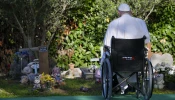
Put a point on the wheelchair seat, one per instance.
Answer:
(127, 55)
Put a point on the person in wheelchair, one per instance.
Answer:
(125, 27)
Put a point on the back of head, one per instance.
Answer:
(124, 7)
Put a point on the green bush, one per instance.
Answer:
(162, 27)
(89, 26)
(88, 35)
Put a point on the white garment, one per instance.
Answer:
(126, 27)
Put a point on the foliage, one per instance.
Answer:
(22, 15)
(86, 28)
(34, 18)
(87, 34)
(140, 8)
(169, 77)
(81, 24)
(46, 78)
(7, 40)
(162, 28)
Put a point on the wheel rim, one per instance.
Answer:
(148, 80)
(106, 81)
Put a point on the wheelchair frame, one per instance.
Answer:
(144, 73)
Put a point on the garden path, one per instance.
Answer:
(117, 97)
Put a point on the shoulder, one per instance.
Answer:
(140, 20)
(114, 22)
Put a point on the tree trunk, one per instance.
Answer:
(32, 54)
(43, 40)
(29, 41)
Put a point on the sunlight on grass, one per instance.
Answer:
(163, 91)
(4, 93)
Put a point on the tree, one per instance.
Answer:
(36, 21)
(141, 8)
(34, 18)
(89, 26)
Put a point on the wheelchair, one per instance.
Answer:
(127, 55)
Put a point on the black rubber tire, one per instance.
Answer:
(148, 80)
(106, 79)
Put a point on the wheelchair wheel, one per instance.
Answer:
(148, 80)
(138, 85)
(106, 80)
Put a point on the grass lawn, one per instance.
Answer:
(13, 88)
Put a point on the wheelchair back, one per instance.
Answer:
(127, 55)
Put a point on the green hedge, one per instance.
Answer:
(91, 24)
(162, 28)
